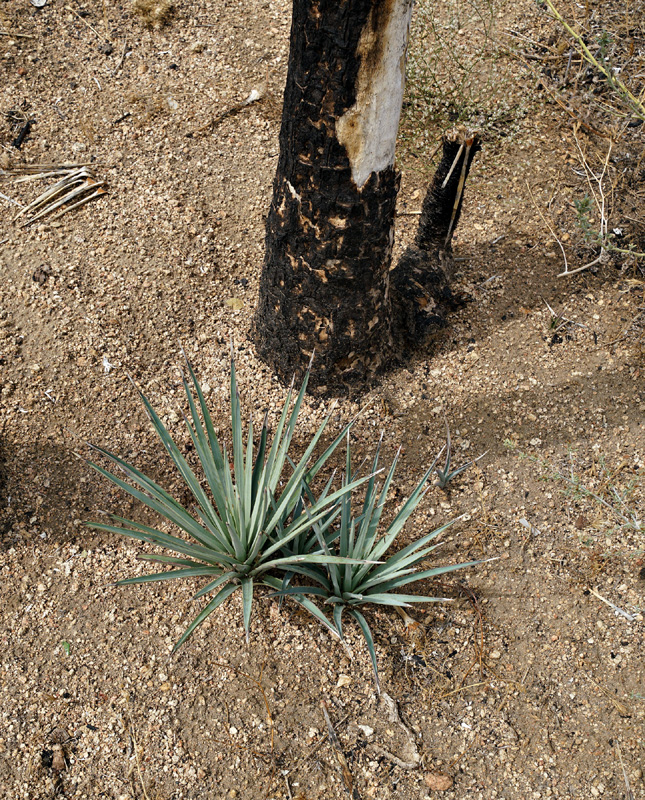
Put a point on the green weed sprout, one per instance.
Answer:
(246, 514)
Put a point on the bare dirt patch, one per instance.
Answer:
(530, 684)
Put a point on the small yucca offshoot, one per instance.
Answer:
(366, 577)
(445, 475)
(245, 514)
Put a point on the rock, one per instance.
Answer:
(438, 781)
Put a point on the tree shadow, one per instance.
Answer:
(497, 284)
(48, 493)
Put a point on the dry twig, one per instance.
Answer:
(381, 751)
(100, 35)
(550, 227)
(338, 750)
(617, 611)
(136, 749)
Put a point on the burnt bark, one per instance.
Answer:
(324, 283)
(421, 293)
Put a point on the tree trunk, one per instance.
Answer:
(325, 284)
(421, 290)
(330, 228)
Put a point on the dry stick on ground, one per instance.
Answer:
(100, 35)
(322, 741)
(136, 749)
(599, 200)
(468, 143)
(338, 750)
(105, 22)
(122, 59)
(254, 96)
(532, 530)
(381, 751)
(11, 200)
(550, 227)
(616, 609)
(561, 321)
(517, 35)
(17, 35)
(601, 204)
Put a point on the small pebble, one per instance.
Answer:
(438, 781)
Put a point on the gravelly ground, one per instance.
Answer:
(528, 685)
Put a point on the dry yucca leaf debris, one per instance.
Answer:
(76, 185)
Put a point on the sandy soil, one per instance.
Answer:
(531, 683)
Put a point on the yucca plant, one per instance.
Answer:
(245, 514)
(367, 576)
(446, 474)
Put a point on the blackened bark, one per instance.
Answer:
(421, 294)
(324, 283)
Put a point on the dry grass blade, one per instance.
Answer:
(629, 795)
(622, 709)
(10, 200)
(100, 35)
(72, 194)
(45, 175)
(99, 191)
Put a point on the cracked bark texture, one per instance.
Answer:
(324, 283)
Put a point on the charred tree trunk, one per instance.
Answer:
(325, 282)
(421, 290)
(330, 228)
